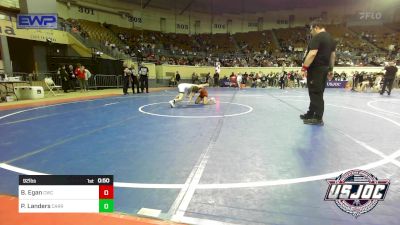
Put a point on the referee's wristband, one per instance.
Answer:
(304, 68)
(330, 69)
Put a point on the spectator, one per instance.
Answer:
(80, 74)
(172, 81)
(177, 77)
(64, 78)
(193, 77)
(88, 75)
(216, 79)
(72, 77)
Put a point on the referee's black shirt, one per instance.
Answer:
(325, 45)
(391, 72)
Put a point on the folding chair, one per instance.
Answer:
(364, 86)
(51, 85)
(378, 84)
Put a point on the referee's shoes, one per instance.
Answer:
(312, 119)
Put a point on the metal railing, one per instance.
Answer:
(95, 81)
(107, 81)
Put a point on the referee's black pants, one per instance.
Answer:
(316, 81)
(135, 82)
(387, 82)
(216, 82)
(125, 84)
(144, 83)
(282, 84)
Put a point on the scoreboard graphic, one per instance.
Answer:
(66, 194)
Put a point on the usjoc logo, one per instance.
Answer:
(37, 21)
(356, 192)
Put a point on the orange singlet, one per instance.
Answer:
(203, 93)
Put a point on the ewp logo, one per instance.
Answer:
(37, 21)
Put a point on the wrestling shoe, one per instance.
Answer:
(172, 103)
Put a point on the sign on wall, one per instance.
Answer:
(219, 26)
(252, 24)
(365, 18)
(7, 28)
(182, 26)
(369, 15)
(134, 19)
(312, 18)
(37, 21)
(282, 22)
(86, 10)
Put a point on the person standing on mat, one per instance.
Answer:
(282, 80)
(390, 75)
(317, 66)
(125, 80)
(239, 80)
(216, 74)
(134, 79)
(144, 77)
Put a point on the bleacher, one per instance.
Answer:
(348, 40)
(256, 41)
(356, 44)
(99, 32)
(293, 37)
(178, 42)
(381, 36)
(216, 43)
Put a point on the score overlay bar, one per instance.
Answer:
(66, 193)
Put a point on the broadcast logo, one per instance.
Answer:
(356, 192)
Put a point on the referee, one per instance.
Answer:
(317, 66)
(390, 75)
(144, 77)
